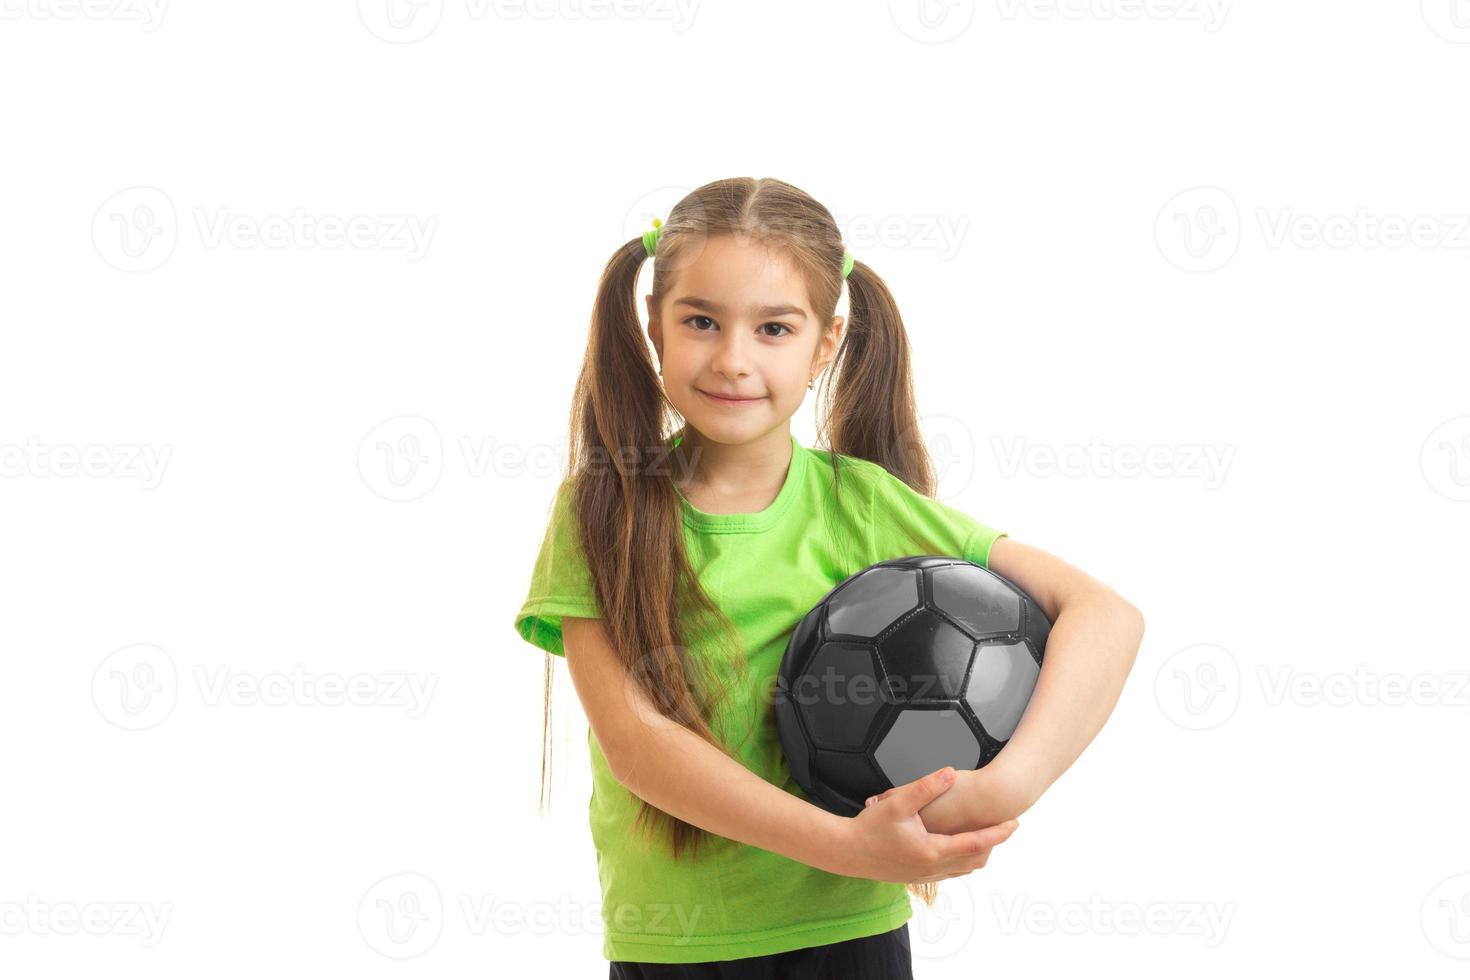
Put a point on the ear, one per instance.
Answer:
(831, 340)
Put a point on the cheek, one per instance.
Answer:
(678, 358)
(798, 369)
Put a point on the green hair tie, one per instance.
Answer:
(846, 264)
(650, 238)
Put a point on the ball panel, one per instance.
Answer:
(925, 658)
(1038, 629)
(845, 779)
(1000, 686)
(976, 598)
(922, 740)
(870, 602)
(794, 742)
(839, 695)
(803, 643)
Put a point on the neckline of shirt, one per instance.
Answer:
(757, 520)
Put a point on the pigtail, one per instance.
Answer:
(871, 410)
(631, 530)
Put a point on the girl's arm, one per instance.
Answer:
(1094, 639)
(685, 776)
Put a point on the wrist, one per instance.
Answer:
(831, 841)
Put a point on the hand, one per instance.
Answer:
(980, 798)
(889, 842)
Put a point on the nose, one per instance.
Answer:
(732, 358)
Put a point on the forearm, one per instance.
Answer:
(689, 778)
(1089, 653)
(1088, 656)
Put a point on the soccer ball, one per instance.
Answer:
(907, 666)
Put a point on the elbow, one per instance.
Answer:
(633, 754)
(1122, 617)
(1115, 610)
(1137, 618)
(617, 757)
(1133, 618)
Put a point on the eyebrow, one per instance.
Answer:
(704, 304)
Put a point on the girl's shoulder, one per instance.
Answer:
(863, 470)
(850, 478)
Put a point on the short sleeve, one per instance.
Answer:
(561, 582)
(902, 521)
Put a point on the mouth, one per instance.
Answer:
(723, 400)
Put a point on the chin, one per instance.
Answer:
(724, 431)
(731, 432)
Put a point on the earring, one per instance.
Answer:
(811, 385)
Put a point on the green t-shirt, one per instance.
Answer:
(765, 570)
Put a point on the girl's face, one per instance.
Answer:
(737, 322)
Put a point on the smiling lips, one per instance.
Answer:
(727, 400)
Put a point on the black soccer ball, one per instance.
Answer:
(907, 666)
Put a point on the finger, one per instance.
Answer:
(970, 865)
(975, 843)
(880, 797)
(967, 865)
(968, 868)
(916, 795)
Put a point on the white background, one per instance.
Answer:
(245, 461)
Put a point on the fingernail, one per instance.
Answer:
(946, 776)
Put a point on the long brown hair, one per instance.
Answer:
(654, 610)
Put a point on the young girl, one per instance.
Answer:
(691, 535)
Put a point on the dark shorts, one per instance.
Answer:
(885, 956)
